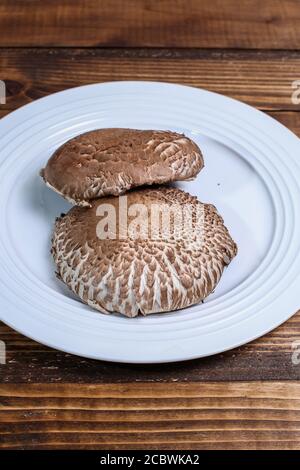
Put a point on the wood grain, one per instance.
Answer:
(151, 416)
(267, 358)
(261, 79)
(289, 119)
(271, 24)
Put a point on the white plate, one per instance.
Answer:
(251, 174)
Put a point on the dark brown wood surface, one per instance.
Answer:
(256, 24)
(257, 415)
(262, 79)
(248, 398)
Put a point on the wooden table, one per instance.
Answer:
(248, 398)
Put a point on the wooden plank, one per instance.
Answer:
(254, 24)
(261, 79)
(267, 358)
(4, 112)
(289, 119)
(190, 416)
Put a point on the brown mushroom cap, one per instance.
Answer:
(111, 161)
(142, 275)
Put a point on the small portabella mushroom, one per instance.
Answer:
(111, 161)
(158, 268)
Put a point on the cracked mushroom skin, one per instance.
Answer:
(111, 161)
(141, 275)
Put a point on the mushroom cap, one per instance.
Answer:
(146, 270)
(111, 161)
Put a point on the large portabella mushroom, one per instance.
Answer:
(152, 250)
(112, 161)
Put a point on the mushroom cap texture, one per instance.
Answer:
(111, 161)
(133, 275)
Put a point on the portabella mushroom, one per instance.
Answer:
(112, 161)
(158, 264)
